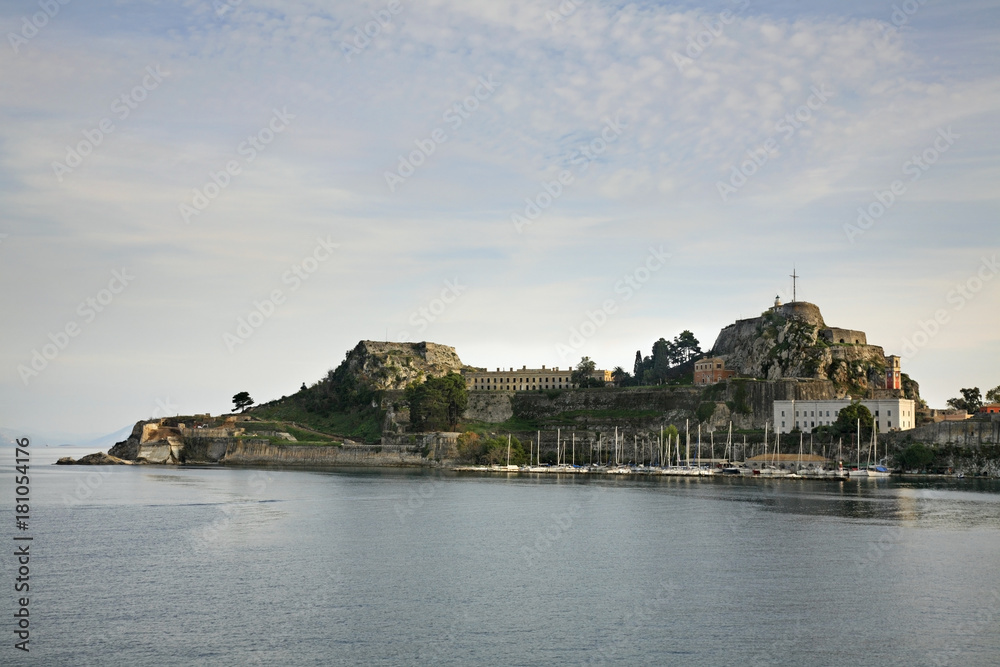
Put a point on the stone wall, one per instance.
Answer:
(970, 433)
(837, 336)
(250, 453)
(489, 406)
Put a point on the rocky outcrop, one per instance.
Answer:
(96, 459)
(388, 366)
(793, 341)
(128, 449)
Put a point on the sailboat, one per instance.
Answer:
(859, 471)
(876, 470)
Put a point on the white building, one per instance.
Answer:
(891, 414)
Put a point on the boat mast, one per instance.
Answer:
(508, 450)
(765, 442)
(687, 442)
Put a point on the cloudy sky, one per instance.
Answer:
(201, 197)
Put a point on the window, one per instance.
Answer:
(813, 414)
(827, 413)
(796, 413)
(782, 414)
(812, 424)
(889, 413)
(889, 423)
(782, 424)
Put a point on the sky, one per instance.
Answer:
(204, 197)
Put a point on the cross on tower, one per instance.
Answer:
(794, 277)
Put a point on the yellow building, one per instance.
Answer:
(526, 379)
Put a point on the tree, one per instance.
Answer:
(621, 377)
(582, 376)
(847, 421)
(687, 345)
(663, 354)
(993, 395)
(971, 400)
(915, 457)
(242, 401)
(438, 403)
(637, 367)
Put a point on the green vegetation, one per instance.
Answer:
(242, 401)
(667, 356)
(475, 448)
(917, 456)
(847, 423)
(971, 399)
(438, 403)
(740, 398)
(705, 411)
(363, 424)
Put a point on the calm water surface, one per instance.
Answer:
(208, 566)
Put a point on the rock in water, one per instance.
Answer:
(95, 459)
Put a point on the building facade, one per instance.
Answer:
(527, 379)
(891, 414)
(710, 371)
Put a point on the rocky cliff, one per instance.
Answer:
(387, 366)
(793, 341)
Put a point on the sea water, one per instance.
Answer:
(153, 565)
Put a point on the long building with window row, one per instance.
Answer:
(526, 379)
(891, 414)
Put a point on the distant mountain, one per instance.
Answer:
(57, 439)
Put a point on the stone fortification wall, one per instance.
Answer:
(261, 453)
(489, 406)
(804, 312)
(970, 433)
(836, 336)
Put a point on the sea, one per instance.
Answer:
(154, 565)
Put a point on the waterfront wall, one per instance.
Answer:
(256, 453)
(970, 433)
